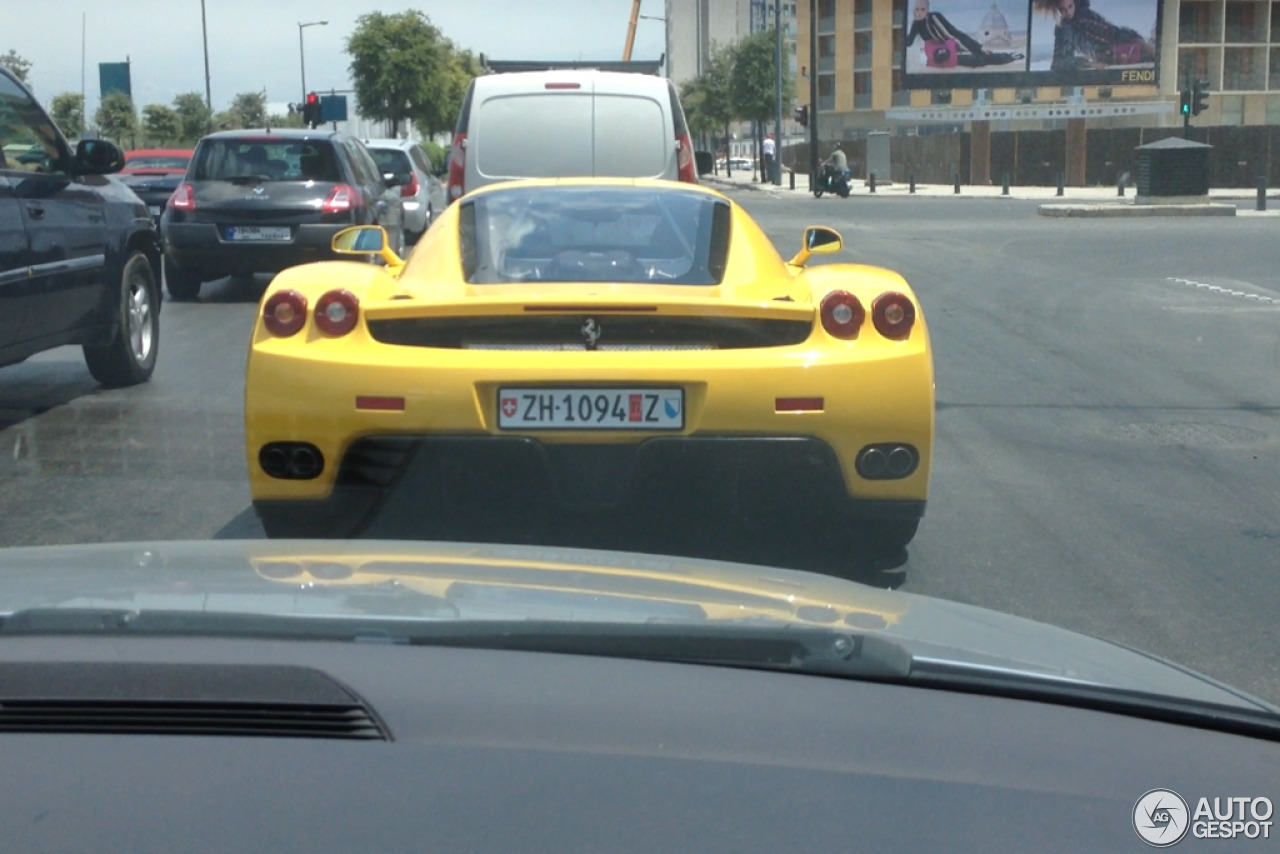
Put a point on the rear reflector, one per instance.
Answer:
(799, 404)
(382, 404)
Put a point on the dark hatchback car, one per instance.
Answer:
(79, 257)
(260, 201)
(154, 173)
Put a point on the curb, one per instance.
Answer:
(1119, 210)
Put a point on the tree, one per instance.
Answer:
(440, 113)
(752, 87)
(226, 120)
(290, 120)
(194, 116)
(19, 65)
(396, 63)
(67, 112)
(160, 124)
(116, 118)
(250, 109)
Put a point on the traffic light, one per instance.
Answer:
(1184, 106)
(1199, 96)
(802, 115)
(311, 110)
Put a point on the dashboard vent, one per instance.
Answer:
(245, 701)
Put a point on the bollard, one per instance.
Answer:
(1004, 191)
(792, 172)
(956, 180)
(1262, 192)
(873, 182)
(912, 178)
(1120, 186)
(1061, 188)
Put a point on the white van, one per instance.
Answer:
(562, 124)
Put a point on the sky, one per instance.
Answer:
(253, 44)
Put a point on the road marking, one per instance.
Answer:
(1217, 289)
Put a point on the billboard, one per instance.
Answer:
(1025, 43)
(114, 77)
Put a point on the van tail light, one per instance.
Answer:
(341, 198)
(337, 312)
(457, 166)
(410, 190)
(842, 314)
(684, 158)
(285, 313)
(893, 315)
(183, 198)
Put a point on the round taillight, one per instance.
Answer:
(285, 313)
(337, 312)
(842, 314)
(894, 315)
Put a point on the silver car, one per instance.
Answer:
(422, 193)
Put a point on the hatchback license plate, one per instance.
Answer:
(590, 409)
(155, 210)
(258, 232)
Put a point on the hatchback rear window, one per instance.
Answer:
(266, 159)
(391, 160)
(594, 234)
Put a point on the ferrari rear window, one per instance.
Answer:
(266, 159)
(594, 234)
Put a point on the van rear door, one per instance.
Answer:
(523, 134)
(633, 136)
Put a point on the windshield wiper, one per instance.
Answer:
(771, 647)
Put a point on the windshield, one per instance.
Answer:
(272, 159)
(156, 161)
(585, 234)
(975, 303)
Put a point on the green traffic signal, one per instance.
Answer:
(1185, 105)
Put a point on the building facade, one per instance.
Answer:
(1234, 44)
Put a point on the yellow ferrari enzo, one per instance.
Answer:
(561, 346)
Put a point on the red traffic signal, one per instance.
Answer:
(311, 110)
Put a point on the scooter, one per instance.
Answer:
(831, 180)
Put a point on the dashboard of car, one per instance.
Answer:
(189, 744)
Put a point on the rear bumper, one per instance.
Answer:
(734, 437)
(425, 486)
(199, 249)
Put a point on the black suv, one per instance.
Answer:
(79, 256)
(261, 201)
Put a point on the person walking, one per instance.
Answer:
(770, 150)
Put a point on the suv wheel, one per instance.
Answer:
(181, 284)
(130, 358)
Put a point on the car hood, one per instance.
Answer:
(481, 582)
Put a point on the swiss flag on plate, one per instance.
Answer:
(509, 407)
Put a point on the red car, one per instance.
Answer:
(154, 173)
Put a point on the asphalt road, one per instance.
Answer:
(1108, 447)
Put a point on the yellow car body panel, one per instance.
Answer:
(304, 387)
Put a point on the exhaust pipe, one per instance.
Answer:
(887, 461)
(291, 460)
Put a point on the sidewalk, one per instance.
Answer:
(743, 181)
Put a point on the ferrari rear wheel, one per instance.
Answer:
(887, 536)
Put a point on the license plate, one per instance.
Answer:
(155, 210)
(258, 232)
(590, 409)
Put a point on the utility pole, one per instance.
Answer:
(208, 88)
(813, 93)
(776, 165)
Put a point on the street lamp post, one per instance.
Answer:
(302, 53)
